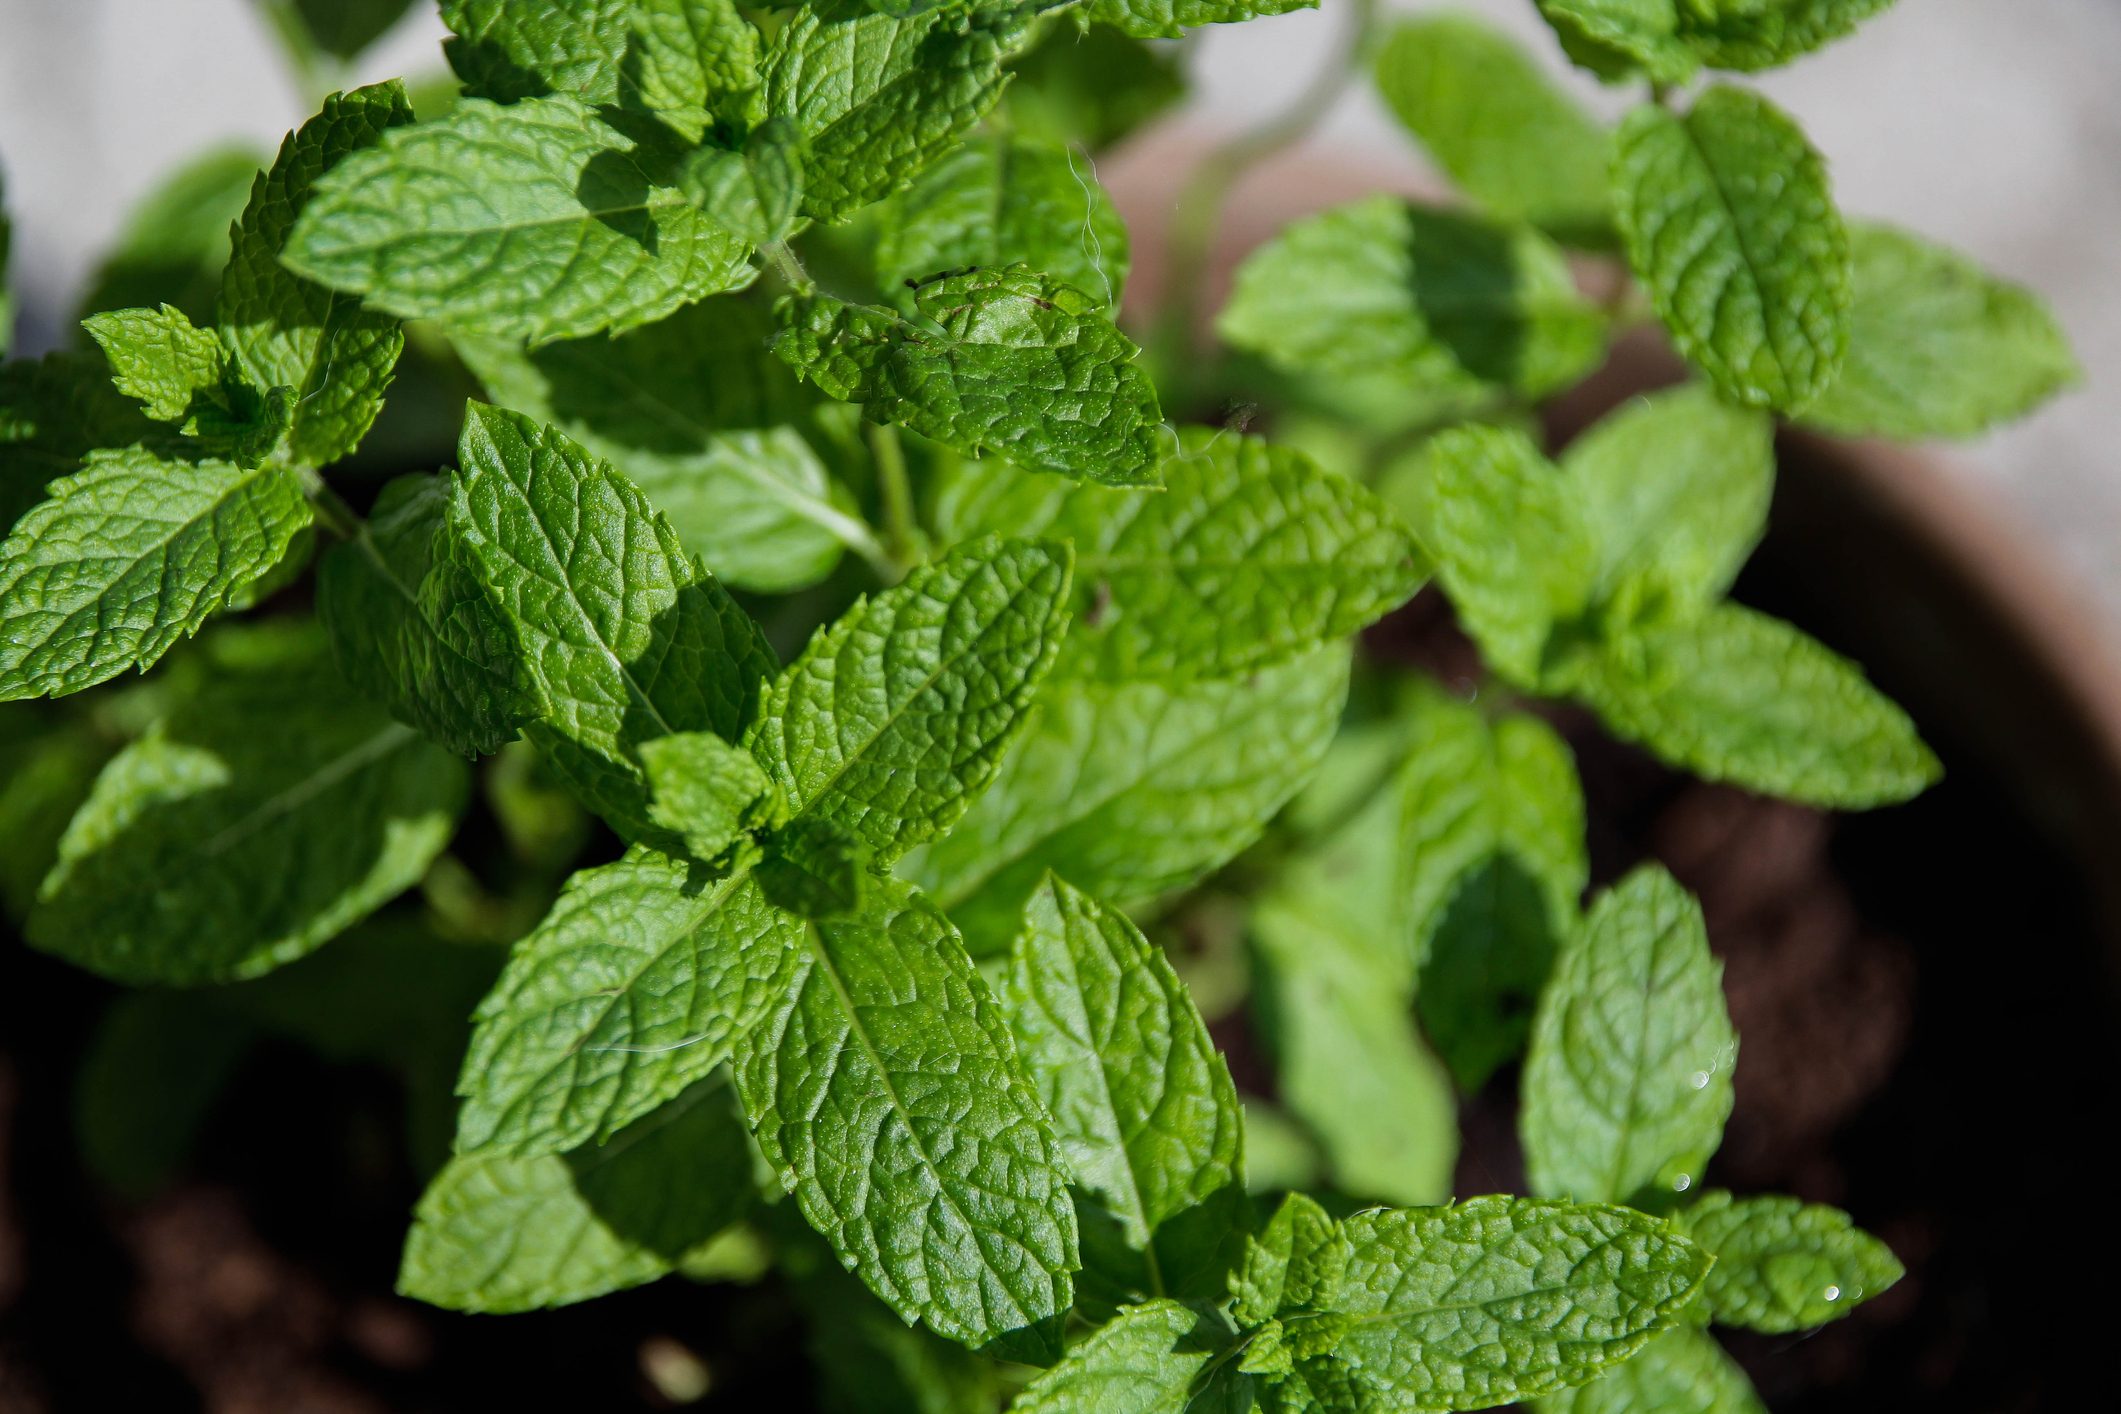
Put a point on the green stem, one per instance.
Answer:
(789, 268)
(314, 73)
(1199, 209)
(332, 512)
(901, 536)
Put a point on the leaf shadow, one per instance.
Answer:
(1485, 967)
(1470, 289)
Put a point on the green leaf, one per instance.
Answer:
(1628, 1081)
(1296, 1263)
(1089, 86)
(1129, 790)
(623, 634)
(129, 556)
(687, 410)
(1731, 226)
(1489, 115)
(1680, 1372)
(539, 220)
(1937, 346)
(1007, 360)
(1485, 1302)
(496, 1233)
(1493, 836)
(889, 1098)
(48, 762)
(1250, 555)
(1443, 302)
(1783, 1265)
(1006, 200)
(814, 871)
(266, 814)
(1510, 542)
(1149, 1359)
(159, 359)
(637, 984)
(54, 411)
(154, 1067)
(1737, 696)
(1146, 1110)
(414, 628)
(343, 28)
(687, 57)
(877, 98)
(1616, 39)
(1167, 19)
(864, 1358)
(705, 791)
(1762, 34)
(175, 241)
(897, 715)
(510, 49)
(1675, 488)
(1339, 1022)
(287, 332)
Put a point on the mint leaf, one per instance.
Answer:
(637, 984)
(266, 814)
(877, 98)
(1146, 1110)
(414, 628)
(889, 1098)
(286, 332)
(1493, 828)
(510, 49)
(715, 435)
(1617, 38)
(495, 1233)
(1133, 789)
(1675, 488)
(1295, 1263)
(129, 556)
(1089, 87)
(1506, 136)
(1628, 1081)
(1488, 1301)
(54, 411)
(623, 635)
(1731, 226)
(1679, 1370)
(897, 715)
(688, 58)
(1006, 201)
(1007, 360)
(1149, 1359)
(1445, 302)
(539, 220)
(1167, 19)
(1334, 992)
(705, 791)
(1511, 544)
(175, 240)
(865, 1359)
(1783, 1265)
(1737, 696)
(1937, 346)
(1752, 36)
(1250, 555)
(343, 28)
(159, 359)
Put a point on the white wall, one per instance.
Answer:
(1994, 126)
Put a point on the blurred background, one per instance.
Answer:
(1993, 127)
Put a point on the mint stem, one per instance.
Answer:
(901, 537)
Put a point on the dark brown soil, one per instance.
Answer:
(1927, 1019)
